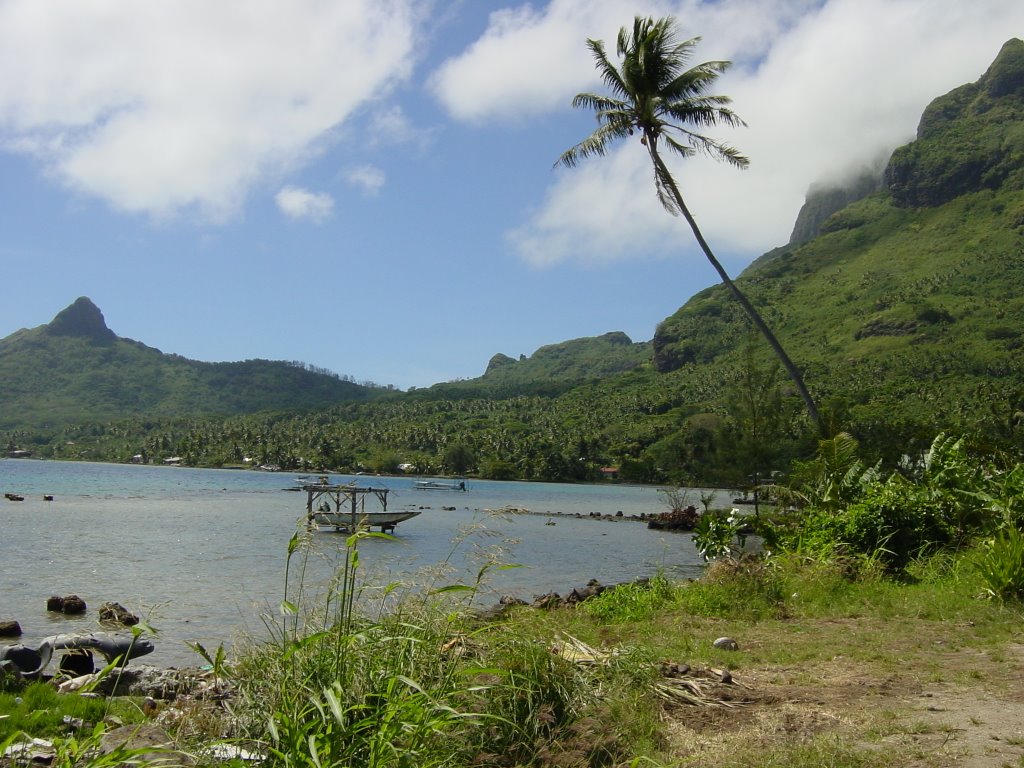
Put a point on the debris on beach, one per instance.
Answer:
(678, 684)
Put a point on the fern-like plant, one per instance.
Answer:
(1002, 565)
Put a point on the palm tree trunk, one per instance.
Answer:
(755, 317)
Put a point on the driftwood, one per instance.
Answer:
(678, 685)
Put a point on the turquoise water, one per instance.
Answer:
(201, 553)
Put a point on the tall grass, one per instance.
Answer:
(392, 676)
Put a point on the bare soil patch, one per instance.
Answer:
(960, 707)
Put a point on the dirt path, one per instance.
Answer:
(962, 708)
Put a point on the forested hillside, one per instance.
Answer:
(75, 369)
(904, 309)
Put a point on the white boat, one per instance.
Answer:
(347, 523)
(439, 485)
(343, 508)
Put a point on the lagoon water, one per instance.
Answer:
(201, 553)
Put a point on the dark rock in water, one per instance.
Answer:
(115, 613)
(73, 605)
(676, 520)
(578, 595)
(76, 663)
(505, 603)
(10, 629)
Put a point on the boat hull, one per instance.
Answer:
(344, 521)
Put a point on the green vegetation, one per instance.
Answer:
(552, 369)
(412, 675)
(37, 708)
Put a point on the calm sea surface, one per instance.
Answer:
(201, 552)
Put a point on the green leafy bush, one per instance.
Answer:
(1002, 565)
(895, 522)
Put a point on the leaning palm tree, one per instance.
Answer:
(654, 93)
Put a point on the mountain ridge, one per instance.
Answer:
(75, 369)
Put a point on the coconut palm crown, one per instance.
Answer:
(655, 93)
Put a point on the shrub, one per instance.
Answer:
(1005, 498)
(717, 533)
(895, 521)
(1002, 565)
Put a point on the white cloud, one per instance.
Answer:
(390, 125)
(531, 60)
(594, 213)
(368, 178)
(823, 86)
(524, 62)
(297, 203)
(172, 104)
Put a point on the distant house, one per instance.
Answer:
(406, 467)
(19, 454)
(610, 473)
(172, 460)
(137, 458)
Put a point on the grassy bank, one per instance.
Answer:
(837, 664)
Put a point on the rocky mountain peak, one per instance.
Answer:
(82, 318)
(967, 140)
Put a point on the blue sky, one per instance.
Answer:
(367, 186)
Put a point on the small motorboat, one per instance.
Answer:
(440, 485)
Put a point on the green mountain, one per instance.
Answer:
(75, 369)
(552, 369)
(908, 307)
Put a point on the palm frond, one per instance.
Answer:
(707, 146)
(595, 144)
(695, 80)
(664, 184)
(609, 73)
(598, 103)
(702, 112)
